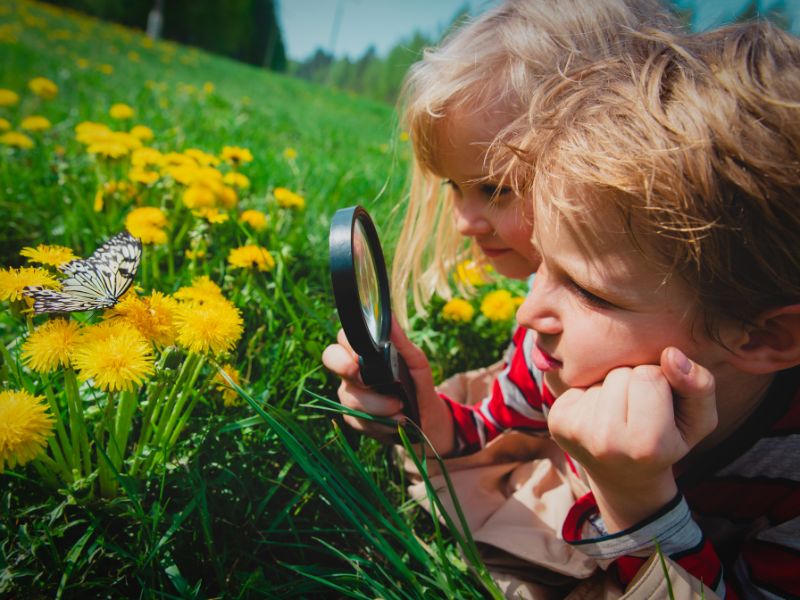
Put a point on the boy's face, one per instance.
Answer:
(599, 308)
(499, 224)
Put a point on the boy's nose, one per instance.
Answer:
(539, 310)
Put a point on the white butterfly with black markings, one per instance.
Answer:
(93, 283)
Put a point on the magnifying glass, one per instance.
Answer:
(361, 291)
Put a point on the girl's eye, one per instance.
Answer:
(491, 190)
(590, 298)
(453, 185)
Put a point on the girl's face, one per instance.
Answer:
(594, 311)
(494, 217)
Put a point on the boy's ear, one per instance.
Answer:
(772, 344)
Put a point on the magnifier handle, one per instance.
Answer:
(390, 376)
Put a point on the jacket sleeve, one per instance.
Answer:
(517, 400)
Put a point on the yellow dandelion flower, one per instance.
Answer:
(25, 425)
(208, 87)
(143, 176)
(236, 155)
(5, 124)
(99, 201)
(16, 140)
(194, 254)
(82, 63)
(8, 97)
(174, 159)
(404, 136)
(147, 223)
(227, 196)
(109, 149)
(146, 157)
(458, 309)
(471, 273)
(114, 356)
(48, 255)
(289, 153)
(201, 290)
(134, 56)
(199, 196)
(153, 316)
(202, 158)
(89, 132)
(14, 281)
(229, 396)
(50, 345)
(499, 305)
(120, 111)
(35, 123)
(142, 132)
(210, 327)
(236, 179)
(106, 69)
(43, 87)
(288, 199)
(255, 218)
(212, 215)
(251, 256)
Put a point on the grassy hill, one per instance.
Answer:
(135, 469)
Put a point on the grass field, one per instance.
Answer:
(137, 469)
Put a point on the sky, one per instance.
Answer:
(309, 24)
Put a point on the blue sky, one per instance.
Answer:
(309, 24)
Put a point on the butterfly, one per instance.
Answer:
(92, 283)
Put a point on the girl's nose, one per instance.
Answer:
(540, 311)
(471, 218)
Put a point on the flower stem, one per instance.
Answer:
(107, 484)
(63, 450)
(77, 424)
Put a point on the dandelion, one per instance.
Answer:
(227, 196)
(499, 305)
(16, 140)
(404, 137)
(146, 157)
(35, 123)
(153, 316)
(229, 395)
(288, 199)
(106, 69)
(208, 87)
(8, 97)
(251, 256)
(201, 290)
(89, 132)
(289, 153)
(5, 124)
(470, 273)
(142, 132)
(25, 425)
(212, 215)
(114, 356)
(236, 155)
(236, 179)
(43, 87)
(143, 176)
(458, 309)
(109, 149)
(14, 281)
(147, 223)
(202, 158)
(199, 196)
(48, 255)
(209, 327)
(120, 111)
(255, 218)
(82, 63)
(49, 347)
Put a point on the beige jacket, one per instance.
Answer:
(515, 494)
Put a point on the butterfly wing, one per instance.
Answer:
(95, 282)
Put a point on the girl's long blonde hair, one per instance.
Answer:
(498, 57)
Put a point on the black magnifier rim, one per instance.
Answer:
(345, 284)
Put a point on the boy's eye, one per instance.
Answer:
(589, 298)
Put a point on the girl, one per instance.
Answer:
(459, 99)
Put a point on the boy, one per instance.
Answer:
(665, 317)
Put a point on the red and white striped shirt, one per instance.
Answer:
(735, 524)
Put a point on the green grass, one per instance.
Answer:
(270, 498)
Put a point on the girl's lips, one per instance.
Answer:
(543, 361)
(493, 252)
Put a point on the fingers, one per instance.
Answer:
(695, 394)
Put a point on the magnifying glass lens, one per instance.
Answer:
(367, 282)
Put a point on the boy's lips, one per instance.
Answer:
(543, 361)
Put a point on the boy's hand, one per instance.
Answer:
(341, 359)
(630, 430)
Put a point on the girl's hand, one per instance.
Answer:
(341, 359)
(630, 430)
